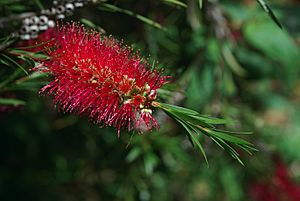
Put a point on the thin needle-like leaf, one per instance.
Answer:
(15, 102)
(196, 124)
(232, 62)
(268, 10)
(193, 138)
(28, 54)
(15, 63)
(200, 4)
(112, 8)
(176, 2)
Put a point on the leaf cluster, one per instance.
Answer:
(196, 124)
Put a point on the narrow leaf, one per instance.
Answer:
(193, 138)
(200, 4)
(133, 154)
(88, 22)
(210, 120)
(176, 2)
(144, 19)
(15, 63)
(268, 10)
(224, 136)
(229, 149)
(6, 101)
(196, 124)
(174, 108)
(234, 132)
(29, 54)
(232, 62)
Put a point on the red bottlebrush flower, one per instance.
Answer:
(98, 77)
(277, 188)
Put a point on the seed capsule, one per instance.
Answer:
(25, 37)
(34, 20)
(51, 23)
(33, 35)
(26, 21)
(78, 4)
(60, 16)
(60, 9)
(43, 20)
(69, 7)
(24, 29)
(34, 29)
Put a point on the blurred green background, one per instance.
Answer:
(228, 59)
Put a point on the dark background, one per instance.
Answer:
(250, 74)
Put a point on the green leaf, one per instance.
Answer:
(150, 162)
(15, 63)
(40, 5)
(112, 8)
(192, 138)
(234, 132)
(268, 10)
(210, 120)
(200, 4)
(196, 124)
(228, 148)
(133, 154)
(4, 62)
(7, 41)
(87, 22)
(174, 108)
(33, 55)
(176, 2)
(36, 75)
(280, 47)
(232, 62)
(8, 101)
(224, 136)
(191, 114)
(199, 79)
(36, 45)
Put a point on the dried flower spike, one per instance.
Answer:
(98, 77)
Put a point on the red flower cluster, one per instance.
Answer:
(100, 78)
(279, 188)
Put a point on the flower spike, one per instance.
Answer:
(98, 77)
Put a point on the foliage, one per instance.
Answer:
(228, 59)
